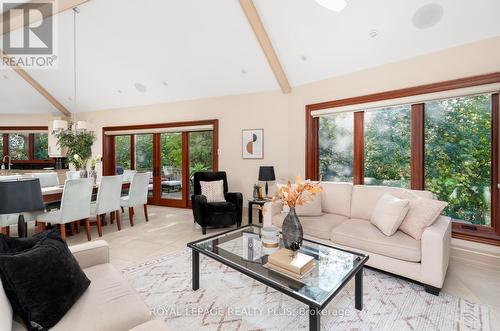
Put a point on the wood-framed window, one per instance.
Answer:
(449, 146)
(25, 144)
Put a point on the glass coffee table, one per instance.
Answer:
(242, 250)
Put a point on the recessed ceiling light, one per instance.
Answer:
(335, 5)
(70, 98)
(303, 58)
(119, 91)
(5, 76)
(373, 33)
(139, 87)
(428, 16)
(243, 71)
(164, 83)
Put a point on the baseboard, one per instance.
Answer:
(471, 252)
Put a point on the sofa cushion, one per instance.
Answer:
(336, 198)
(361, 234)
(389, 212)
(422, 214)
(316, 226)
(5, 310)
(109, 304)
(41, 278)
(364, 198)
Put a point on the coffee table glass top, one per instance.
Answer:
(243, 249)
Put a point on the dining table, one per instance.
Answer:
(53, 194)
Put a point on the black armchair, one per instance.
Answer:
(215, 214)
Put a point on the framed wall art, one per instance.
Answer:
(252, 143)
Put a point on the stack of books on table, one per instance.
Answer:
(286, 262)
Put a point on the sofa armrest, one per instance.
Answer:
(436, 241)
(91, 253)
(270, 210)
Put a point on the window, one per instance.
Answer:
(122, 152)
(171, 165)
(41, 145)
(458, 144)
(387, 147)
(144, 152)
(200, 153)
(449, 146)
(19, 146)
(336, 138)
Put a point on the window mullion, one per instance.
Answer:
(417, 146)
(359, 148)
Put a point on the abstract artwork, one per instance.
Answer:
(253, 144)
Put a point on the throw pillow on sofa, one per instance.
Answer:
(41, 278)
(389, 213)
(422, 214)
(214, 190)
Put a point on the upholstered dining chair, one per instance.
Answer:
(215, 214)
(72, 174)
(6, 220)
(47, 179)
(108, 200)
(128, 175)
(75, 206)
(137, 195)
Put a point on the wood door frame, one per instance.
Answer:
(482, 234)
(109, 163)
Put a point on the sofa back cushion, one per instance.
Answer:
(336, 198)
(5, 310)
(365, 198)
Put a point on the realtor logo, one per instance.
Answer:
(28, 33)
(36, 21)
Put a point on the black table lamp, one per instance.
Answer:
(19, 196)
(266, 174)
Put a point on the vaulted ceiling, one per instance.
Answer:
(133, 52)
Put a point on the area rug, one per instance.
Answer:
(229, 300)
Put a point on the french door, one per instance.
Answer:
(170, 154)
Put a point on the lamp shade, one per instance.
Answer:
(266, 173)
(59, 125)
(18, 196)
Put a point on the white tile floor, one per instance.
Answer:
(170, 229)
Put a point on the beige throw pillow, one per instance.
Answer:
(389, 213)
(422, 214)
(214, 190)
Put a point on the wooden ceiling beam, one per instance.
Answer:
(265, 43)
(37, 86)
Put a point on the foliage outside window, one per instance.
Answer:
(458, 156)
(19, 146)
(41, 143)
(336, 138)
(387, 146)
(122, 152)
(200, 151)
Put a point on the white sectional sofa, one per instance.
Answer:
(345, 223)
(108, 304)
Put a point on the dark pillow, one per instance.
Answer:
(41, 278)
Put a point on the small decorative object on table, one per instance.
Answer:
(295, 195)
(92, 172)
(256, 189)
(270, 239)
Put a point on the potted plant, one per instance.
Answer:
(294, 195)
(78, 144)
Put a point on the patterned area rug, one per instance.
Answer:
(228, 300)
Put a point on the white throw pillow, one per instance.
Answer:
(214, 190)
(5, 310)
(389, 213)
(422, 214)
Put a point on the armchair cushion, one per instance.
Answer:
(41, 278)
(220, 207)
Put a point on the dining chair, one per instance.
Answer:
(128, 175)
(75, 206)
(72, 174)
(6, 220)
(137, 195)
(47, 179)
(108, 201)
